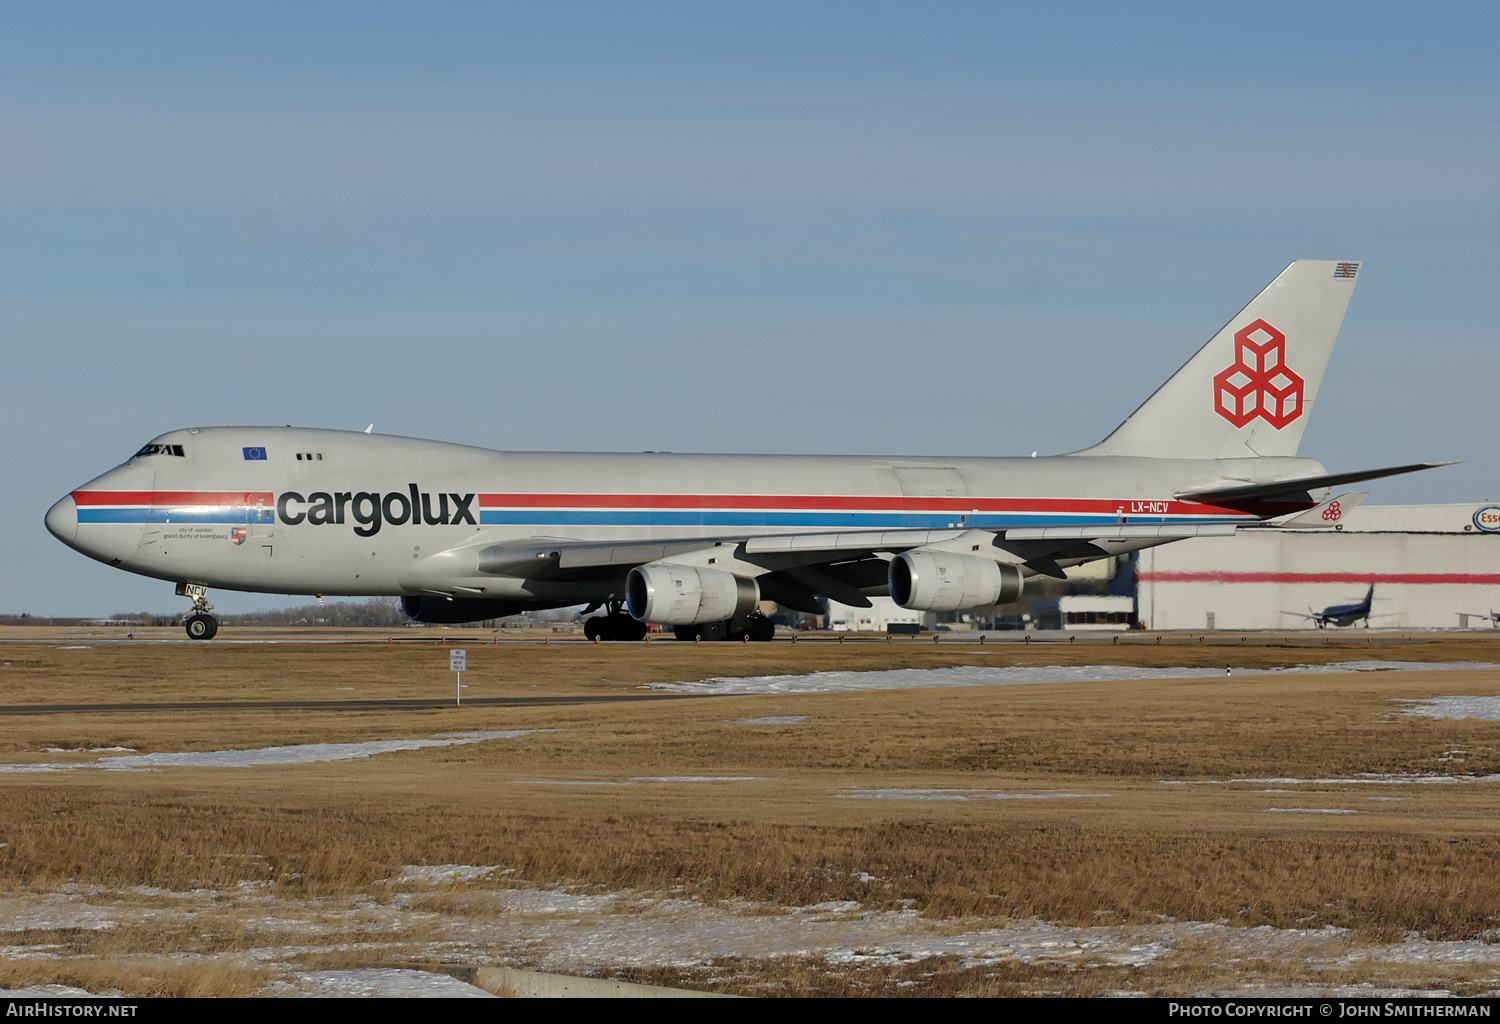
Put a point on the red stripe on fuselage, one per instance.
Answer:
(860, 503)
(174, 499)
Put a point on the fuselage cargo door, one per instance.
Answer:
(931, 481)
(260, 523)
(945, 493)
(155, 520)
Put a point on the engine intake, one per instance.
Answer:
(684, 595)
(931, 580)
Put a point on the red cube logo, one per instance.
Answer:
(1259, 383)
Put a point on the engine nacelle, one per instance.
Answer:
(684, 595)
(932, 580)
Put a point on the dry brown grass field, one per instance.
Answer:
(1131, 853)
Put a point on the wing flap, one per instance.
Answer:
(863, 540)
(1122, 531)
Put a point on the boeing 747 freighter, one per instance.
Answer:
(696, 542)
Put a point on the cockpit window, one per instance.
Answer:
(159, 449)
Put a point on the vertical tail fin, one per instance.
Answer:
(1249, 391)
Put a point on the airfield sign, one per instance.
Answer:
(457, 660)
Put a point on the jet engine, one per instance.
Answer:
(683, 595)
(931, 580)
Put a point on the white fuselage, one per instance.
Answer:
(304, 511)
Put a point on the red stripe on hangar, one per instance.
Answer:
(1416, 578)
(174, 499)
(861, 503)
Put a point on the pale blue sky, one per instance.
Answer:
(905, 228)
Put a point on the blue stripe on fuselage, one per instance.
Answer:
(160, 515)
(810, 520)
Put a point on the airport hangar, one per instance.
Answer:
(1432, 567)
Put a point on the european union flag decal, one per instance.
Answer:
(255, 454)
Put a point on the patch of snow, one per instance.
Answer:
(566, 782)
(952, 794)
(301, 753)
(769, 720)
(1373, 779)
(386, 983)
(48, 992)
(442, 874)
(568, 932)
(1310, 810)
(1483, 708)
(53, 911)
(1332, 992)
(987, 675)
(699, 778)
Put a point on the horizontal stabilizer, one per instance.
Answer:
(1276, 488)
(1330, 513)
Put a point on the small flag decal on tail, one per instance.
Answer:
(1345, 269)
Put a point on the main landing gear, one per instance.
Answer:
(619, 626)
(614, 626)
(200, 625)
(756, 628)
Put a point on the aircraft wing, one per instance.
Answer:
(804, 548)
(795, 568)
(797, 549)
(791, 569)
(815, 547)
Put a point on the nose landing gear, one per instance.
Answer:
(200, 625)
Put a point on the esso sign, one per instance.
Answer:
(1488, 518)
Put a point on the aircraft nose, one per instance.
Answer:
(62, 520)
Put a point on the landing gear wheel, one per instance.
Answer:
(762, 629)
(201, 627)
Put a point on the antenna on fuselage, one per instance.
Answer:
(369, 428)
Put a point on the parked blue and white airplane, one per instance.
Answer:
(1343, 614)
(697, 541)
